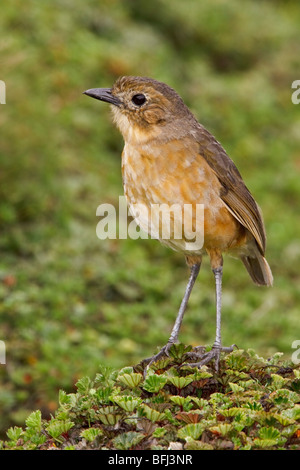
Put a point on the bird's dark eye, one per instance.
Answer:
(139, 99)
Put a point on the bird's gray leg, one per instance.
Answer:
(217, 346)
(175, 331)
(218, 273)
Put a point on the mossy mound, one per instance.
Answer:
(252, 403)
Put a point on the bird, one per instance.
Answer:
(169, 158)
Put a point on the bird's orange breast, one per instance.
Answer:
(173, 172)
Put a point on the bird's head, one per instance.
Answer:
(144, 108)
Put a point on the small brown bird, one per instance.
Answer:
(169, 158)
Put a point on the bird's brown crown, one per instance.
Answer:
(147, 106)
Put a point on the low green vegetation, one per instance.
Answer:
(252, 404)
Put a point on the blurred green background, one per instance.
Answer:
(68, 301)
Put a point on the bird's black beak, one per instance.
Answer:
(103, 94)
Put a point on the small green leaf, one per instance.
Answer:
(169, 416)
(83, 385)
(34, 420)
(159, 432)
(193, 431)
(222, 429)
(180, 401)
(14, 433)
(288, 431)
(292, 413)
(177, 351)
(126, 370)
(269, 433)
(237, 360)
(219, 399)
(236, 388)
(192, 444)
(295, 386)
(277, 382)
(109, 415)
(154, 383)
(106, 377)
(151, 414)
(161, 363)
(63, 398)
(284, 397)
(254, 406)
(264, 443)
(127, 440)
(230, 412)
(57, 427)
(181, 382)
(200, 402)
(127, 403)
(131, 380)
(103, 394)
(284, 420)
(91, 433)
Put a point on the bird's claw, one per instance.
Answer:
(151, 360)
(214, 353)
(197, 353)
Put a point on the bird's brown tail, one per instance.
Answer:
(259, 270)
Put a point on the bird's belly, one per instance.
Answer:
(177, 203)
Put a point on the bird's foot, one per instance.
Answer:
(163, 352)
(214, 353)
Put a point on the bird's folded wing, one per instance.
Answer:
(234, 193)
